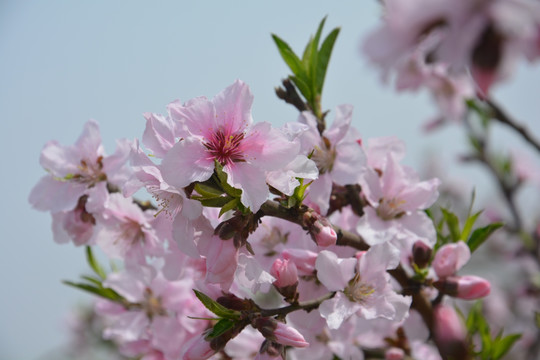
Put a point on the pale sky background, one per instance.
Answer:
(64, 62)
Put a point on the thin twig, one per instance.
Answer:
(503, 117)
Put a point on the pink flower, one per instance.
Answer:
(450, 258)
(336, 152)
(303, 259)
(221, 130)
(363, 286)
(75, 169)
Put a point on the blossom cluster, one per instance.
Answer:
(306, 241)
(211, 170)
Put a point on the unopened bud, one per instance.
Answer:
(285, 273)
(421, 254)
(325, 236)
(287, 335)
(472, 287)
(394, 353)
(450, 334)
(450, 258)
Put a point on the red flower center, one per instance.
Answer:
(225, 148)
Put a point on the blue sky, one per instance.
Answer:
(64, 62)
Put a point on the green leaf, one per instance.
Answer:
(324, 57)
(537, 319)
(482, 234)
(314, 59)
(233, 204)
(94, 264)
(468, 226)
(221, 327)
(289, 57)
(222, 177)
(215, 307)
(93, 280)
(452, 222)
(501, 347)
(304, 88)
(215, 202)
(207, 191)
(99, 291)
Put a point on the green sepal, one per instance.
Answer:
(482, 234)
(221, 327)
(94, 264)
(215, 307)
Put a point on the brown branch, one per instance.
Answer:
(503, 117)
(305, 305)
(290, 95)
(296, 215)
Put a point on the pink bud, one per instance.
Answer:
(450, 333)
(287, 335)
(285, 273)
(394, 353)
(303, 259)
(326, 235)
(472, 287)
(450, 258)
(198, 349)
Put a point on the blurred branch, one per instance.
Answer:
(503, 117)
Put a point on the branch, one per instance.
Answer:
(305, 305)
(500, 115)
(295, 215)
(290, 95)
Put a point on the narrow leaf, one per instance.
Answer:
(215, 307)
(468, 225)
(215, 202)
(452, 222)
(207, 191)
(221, 327)
(304, 88)
(482, 234)
(289, 56)
(501, 347)
(99, 291)
(324, 57)
(94, 263)
(233, 204)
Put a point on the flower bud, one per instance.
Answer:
(450, 258)
(276, 331)
(326, 235)
(198, 349)
(285, 273)
(472, 287)
(450, 334)
(394, 353)
(287, 335)
(303, 259)
(421, 254)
